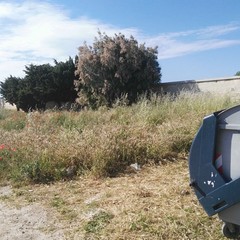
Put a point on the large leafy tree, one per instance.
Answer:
(52, 83)
(115, 66)
(41, 84)
(10, 90)
(39, 81)
(64, 75)
(16, 91)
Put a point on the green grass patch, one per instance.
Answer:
(98, 222)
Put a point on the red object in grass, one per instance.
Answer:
(2, 146)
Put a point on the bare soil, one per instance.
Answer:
(31, 222)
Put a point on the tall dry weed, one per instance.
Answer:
(61, 145)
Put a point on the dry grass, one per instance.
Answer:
(154, 203)
(56, 145)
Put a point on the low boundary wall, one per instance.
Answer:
(218, 85)
(227, 85)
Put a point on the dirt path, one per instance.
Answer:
(32, 222)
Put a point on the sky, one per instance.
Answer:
(196, 39)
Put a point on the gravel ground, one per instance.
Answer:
(32, 222)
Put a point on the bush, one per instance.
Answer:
(115, 67)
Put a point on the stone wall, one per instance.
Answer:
(218, 85)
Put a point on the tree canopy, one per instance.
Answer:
(41, 84)
(111, 68)
(115, 66)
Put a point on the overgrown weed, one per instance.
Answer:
(58, 145)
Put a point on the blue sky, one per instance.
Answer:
(196, 39)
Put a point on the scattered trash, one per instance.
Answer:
(135, 166)
(71, 171)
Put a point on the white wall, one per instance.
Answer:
(218, 85)
(6, 105)
(9, 106)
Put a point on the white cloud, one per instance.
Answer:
(177, 44)
(31, 32)
(36, 32)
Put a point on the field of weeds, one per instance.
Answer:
(45, 147)
(85, 157)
